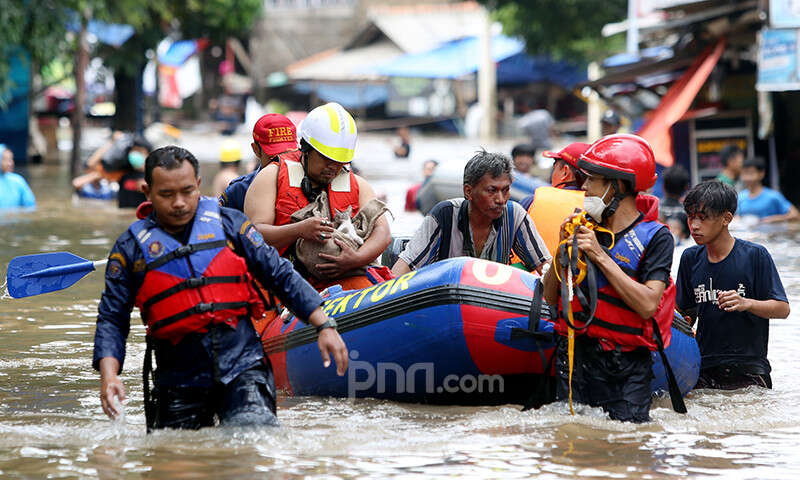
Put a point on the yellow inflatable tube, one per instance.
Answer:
(549, 209)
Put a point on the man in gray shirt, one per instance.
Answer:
(483, 224)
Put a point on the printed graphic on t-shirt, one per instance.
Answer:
(703, 294)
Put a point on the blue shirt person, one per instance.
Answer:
(14, 190)
(731, 288)
(756, 199)
(217, 371)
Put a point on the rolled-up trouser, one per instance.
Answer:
(617, 381)
(248, 400)
(732, 377)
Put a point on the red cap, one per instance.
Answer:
(570, 154)
(275, 133)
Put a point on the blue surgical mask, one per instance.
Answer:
(136, 159)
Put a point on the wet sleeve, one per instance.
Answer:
(684, 298)
(657, 261)
(768, 285)
(528, 244)
(116, 303)
(783, 204)
(423, 247)
(27, 197)
(272, 270)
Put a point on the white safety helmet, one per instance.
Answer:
(331, 131)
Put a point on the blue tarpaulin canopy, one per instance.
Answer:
(460, 57)
(178, 53)
(520, 69)
(349, 95)
(114, 34)
(449, 60)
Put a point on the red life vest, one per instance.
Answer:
(189, 287)
(342, 192)
(615, 323)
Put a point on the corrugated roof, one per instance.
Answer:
(418, 28)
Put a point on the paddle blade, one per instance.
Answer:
(45, 272)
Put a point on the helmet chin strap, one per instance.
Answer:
(614, 204)
(306, 187)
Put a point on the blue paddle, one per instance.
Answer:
(46, 272)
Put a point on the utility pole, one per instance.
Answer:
(632, 37)
(487, 81)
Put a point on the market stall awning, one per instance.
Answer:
(180, 51)
(114, 34)
(676, 102)
(522, 69)
(450, 60)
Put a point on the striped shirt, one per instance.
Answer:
(514, 230)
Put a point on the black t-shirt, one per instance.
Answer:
(130, 195)
(729, 338)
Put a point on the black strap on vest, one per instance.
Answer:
(193, 282)
(197, 309)
(185, 250)
(463, 227)
(588, 288)
(444, 217)
(674, 392)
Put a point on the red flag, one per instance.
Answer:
(676, 102)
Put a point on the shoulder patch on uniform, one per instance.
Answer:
(155, 249)
(139, 265)
(244, 226)
(114, 268)
(117, 256)
(255, 238)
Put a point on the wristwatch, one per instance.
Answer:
(329, 323)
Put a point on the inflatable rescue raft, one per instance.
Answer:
(460, 331)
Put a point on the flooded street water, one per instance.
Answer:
(52, 426)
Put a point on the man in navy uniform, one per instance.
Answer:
(186, 267)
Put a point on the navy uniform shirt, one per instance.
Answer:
(234, 194)
(199, 359)
(729, 338)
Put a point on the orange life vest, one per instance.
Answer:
(189, 287)
(342, 192)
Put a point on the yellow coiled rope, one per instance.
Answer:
(566, 249)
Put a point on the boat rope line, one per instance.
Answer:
(572, 269)
(453, 294)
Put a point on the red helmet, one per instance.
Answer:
(570, 154)
(624, 156)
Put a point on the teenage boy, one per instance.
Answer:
(731, 288)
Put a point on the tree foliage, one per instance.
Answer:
(568, 29)
(39, 27)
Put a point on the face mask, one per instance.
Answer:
(595, 206)
(136, 159)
